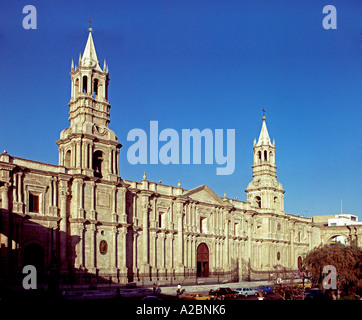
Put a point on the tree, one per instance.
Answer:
(346, 259)
(285, 283)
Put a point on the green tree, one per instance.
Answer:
(346, 259)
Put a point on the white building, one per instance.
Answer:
(343, 220)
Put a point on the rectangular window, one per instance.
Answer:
(203, 228)
(33, 203)
(160, 222)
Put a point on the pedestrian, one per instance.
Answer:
(178, 290)
(154, 288)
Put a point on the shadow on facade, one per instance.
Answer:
(25, 242)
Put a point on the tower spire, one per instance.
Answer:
(265, 191)
(89, 146)
(264, 139)
(89, 57)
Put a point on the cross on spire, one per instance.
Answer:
(263, 112)
(90, 25)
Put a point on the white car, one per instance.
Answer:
(246, 292)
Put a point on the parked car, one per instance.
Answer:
(225, 293)
(151, 298)
(307, 285)
(195, 296)
(246, 292)
(212, 294)
(316, 294)
(265, 289)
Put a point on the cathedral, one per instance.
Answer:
(97, 227)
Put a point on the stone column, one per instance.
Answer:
(115, 256)
(145, 207)
(292, 235)
(4, 237)
(135, 254)
(78, 242)
(78, 154)
(92, 210)
(153, 249)
(162, 264)
(169, 254)
(114, 204)
(121, 259)
(90, 158)
(90, 244)
(188, 253)
(20, 189)
(63, 227)
(226, 260)
(180, 266)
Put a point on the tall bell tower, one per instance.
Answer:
(265, 191)
(88, 146)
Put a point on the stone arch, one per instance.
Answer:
(85, 84)
(341, 238)
(259, 156)
(97, 162)
(76, 88)
(68, 159)
(95, 91)
(257, 201)
(271, 157)
(34, 255)
(300, 263)
(276, 203)
(202, 260)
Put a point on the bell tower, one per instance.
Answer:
(265, 191)
(88, 146)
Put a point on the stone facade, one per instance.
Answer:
(81, 216)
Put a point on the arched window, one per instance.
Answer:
(300, 263)
(68, 159)
(95, 89)
(259, 156)
(76, 88)
(85, 83)
(276, 203)
(97, 163)
(265, 155)
(258, 201)
(271, 159)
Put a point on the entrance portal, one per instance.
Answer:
(202, 260)
(34, 255)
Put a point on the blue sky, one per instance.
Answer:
(200, 64)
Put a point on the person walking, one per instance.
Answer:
(178, 291)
